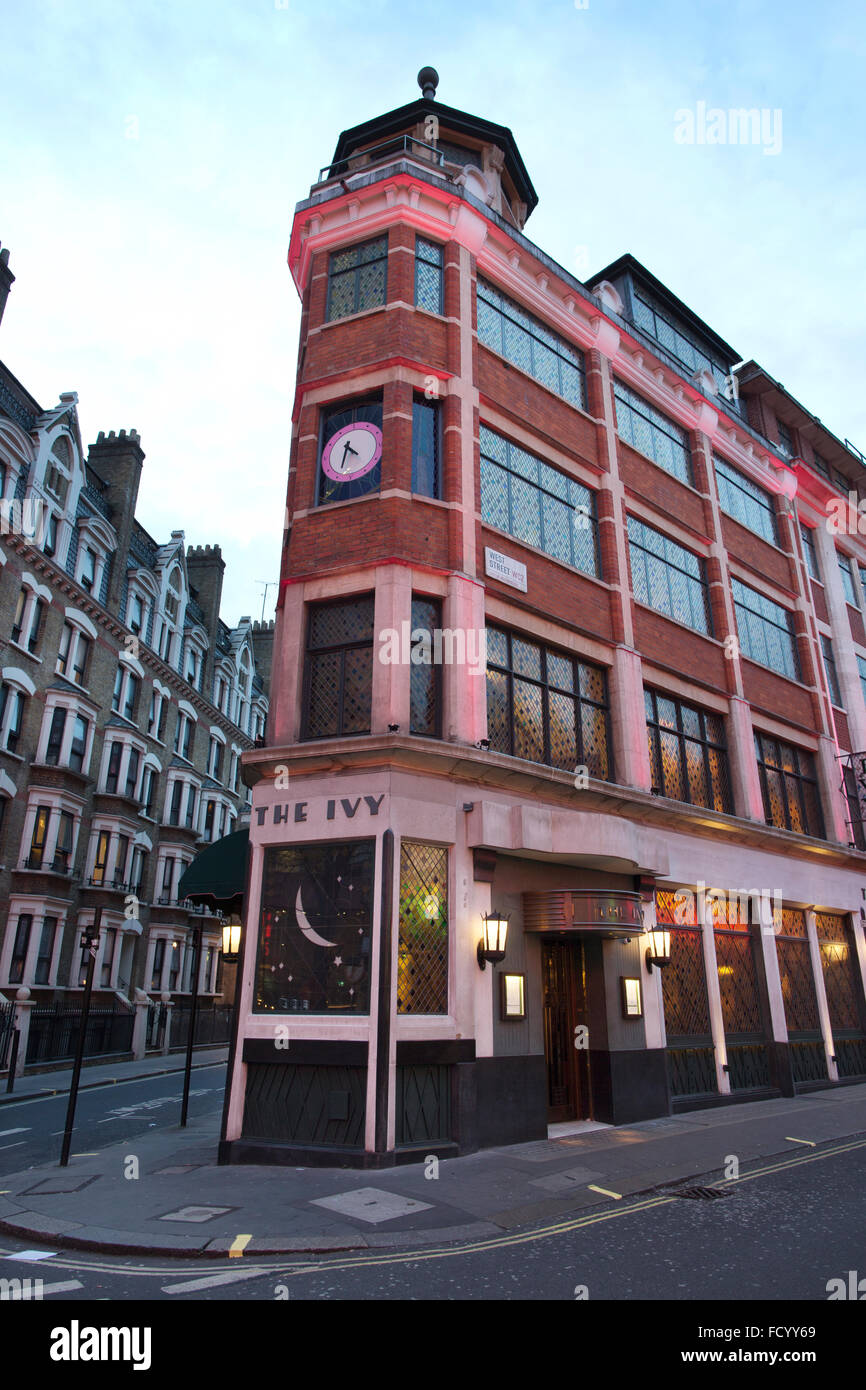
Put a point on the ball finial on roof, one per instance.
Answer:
(428, 81)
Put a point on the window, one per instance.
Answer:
(350, 450)
(148, 790)
(209, 819)
(100, 858)
(688, 755)
(789, 787)
(109, 943)
(215, 758)
(183, 735)
(56, 753)
(847, 579)
(832, 674)
(73, 652)
(646, 429)
(78, 746)
(27, 624)
(123, 843)
(786, 443)
(138, 870)
(821, 463)
(861, 666)
(11, 715)
(55, 737)
(176, 798)
(765, 631)
(135, 617)
(537, 504)
(667, 577)
(809, 552)
(525, 341)
(191, 797)
(112, 776)
(158, 963)
(38, 837)
(46, 951)
(428, 275)
(682, 345)
(50, 543)
(63, 849)
(87, 572)
(426, 466)
(158, 714)
(425, 676)
(125, 698)
(19, 948)
(546, 706)
(357, 278)
(339, 668)
(745, 501)
(422, 951)
(132, 773)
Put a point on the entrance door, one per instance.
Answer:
(564, 994)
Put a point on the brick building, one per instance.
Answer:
(125, 706)
(564, 632)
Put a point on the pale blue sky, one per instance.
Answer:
(152, 154)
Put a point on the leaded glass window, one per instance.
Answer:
(425, 673)
(667, 577)
(764, 629)
(673, 336)
(786, 443)
(789, 786)
(688, 754)
(339, 669)
(847, 578)
(809, 552)
(537, 504)
(422, 952)
(533, 347)
(316, 929)
(745, 501)
(356, 278)
(428, 275)
(426, 448)
(646, 429)
(832, 674)
(546, 706)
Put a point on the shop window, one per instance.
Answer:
(316, 929)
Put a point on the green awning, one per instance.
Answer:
(218, 875)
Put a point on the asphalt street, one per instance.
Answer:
(31, 1131)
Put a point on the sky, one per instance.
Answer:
(152, 153)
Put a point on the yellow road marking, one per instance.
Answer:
(238, 1246)
(605, 1192)
(792, 1140)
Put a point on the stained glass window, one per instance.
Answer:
(688, 754)
(667, 577)
(356, 278)
(546, 706)
(646, 429)
(533, 347)
(422, 953)
(339, 673)
(523, 495)
(765, 631)
(789, 786)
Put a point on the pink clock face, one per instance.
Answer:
(352, 451)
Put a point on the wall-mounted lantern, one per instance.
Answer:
(491, 947)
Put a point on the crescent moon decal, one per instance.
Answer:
(305, 927)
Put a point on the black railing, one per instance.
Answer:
(375, 154)
(7, 1024)
(157, 1016)
(212, 1023)
(54, 1031)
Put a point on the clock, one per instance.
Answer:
(352, 452)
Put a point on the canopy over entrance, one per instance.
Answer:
(217, 876)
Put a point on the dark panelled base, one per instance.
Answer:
(271, 1153)
(501, 1100)
(629, 1086)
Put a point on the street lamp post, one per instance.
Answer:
(89, 943)
(194, 940)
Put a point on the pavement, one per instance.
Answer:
(163, 1193)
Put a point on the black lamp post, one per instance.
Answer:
(193, 938)
(90, 944)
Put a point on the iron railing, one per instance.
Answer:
(212, 1023)
(375, 154)
(55, 1029)
(7, 1025)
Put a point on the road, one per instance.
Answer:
(31, 1131)
(782, 1233)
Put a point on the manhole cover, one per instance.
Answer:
(702, 1194)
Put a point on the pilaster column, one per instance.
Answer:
(746, 783)
(628, 720)
(821, 993)
(714, 999)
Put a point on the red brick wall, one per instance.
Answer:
(689, 654)
(652, 484)
(842, 734)
(557, 592)
(764, 560)
(777, 696)
(820, 601)
(517, 394)
(855, 620)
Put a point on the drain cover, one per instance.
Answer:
(702, 1194)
